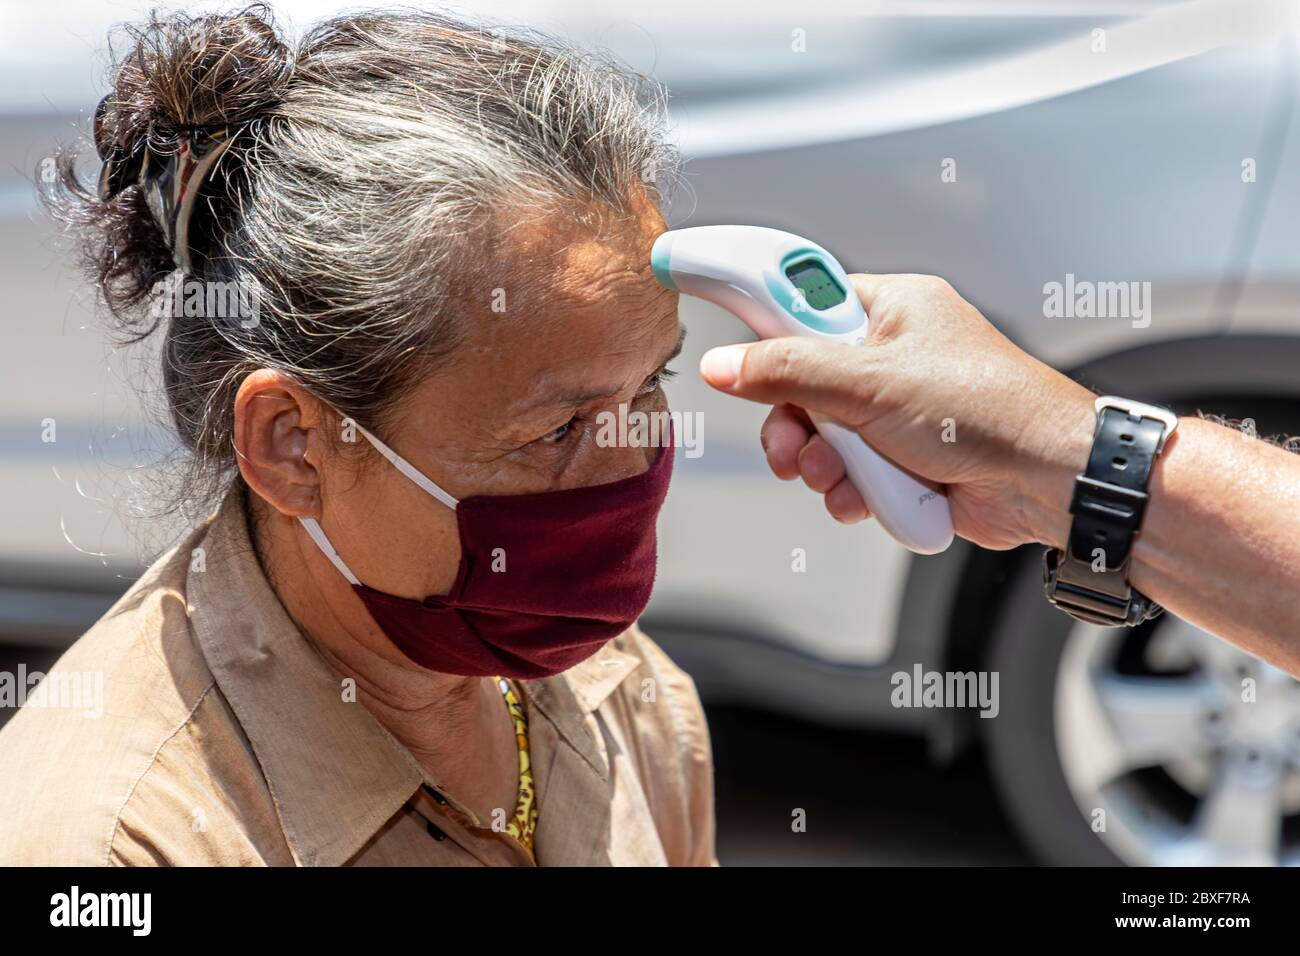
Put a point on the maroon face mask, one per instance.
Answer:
(545, 579)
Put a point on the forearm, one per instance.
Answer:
(1220, 545)
(1220, 542)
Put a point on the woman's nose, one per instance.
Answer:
(634, 445)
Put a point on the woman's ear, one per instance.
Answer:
(277, 434)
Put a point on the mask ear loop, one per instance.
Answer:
(409, 470)
(318, 535)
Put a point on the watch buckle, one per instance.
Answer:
(1140, 410)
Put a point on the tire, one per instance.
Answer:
(1184, 749)
(1021, 740)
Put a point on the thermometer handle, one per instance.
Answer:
(916, 515)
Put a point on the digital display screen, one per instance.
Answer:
(819, 288)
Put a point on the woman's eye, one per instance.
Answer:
(559, 434)
(656, 381)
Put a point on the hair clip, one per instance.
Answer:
(171, 182)
(119, 169)
(172, 189)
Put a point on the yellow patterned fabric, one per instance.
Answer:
(524, 822)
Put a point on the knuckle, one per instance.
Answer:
(781, 361)
(886, 298)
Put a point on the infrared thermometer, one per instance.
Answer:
(780, 284)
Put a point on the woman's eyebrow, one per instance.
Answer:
(589, 395)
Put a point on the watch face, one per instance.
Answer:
(1139, 608)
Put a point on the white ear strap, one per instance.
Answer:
(318, 535)
(406, 468)
(401, 464)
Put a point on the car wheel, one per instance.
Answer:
(1154, 745)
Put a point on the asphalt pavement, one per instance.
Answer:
(867, 799)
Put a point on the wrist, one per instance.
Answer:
(1090, 579)
(1176, 501)
(1061, 448)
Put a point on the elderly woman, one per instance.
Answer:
(408, 635)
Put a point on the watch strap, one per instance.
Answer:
(1089, 580)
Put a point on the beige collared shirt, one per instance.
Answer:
(219, 736)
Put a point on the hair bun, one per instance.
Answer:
(185, 72)
(175, 75)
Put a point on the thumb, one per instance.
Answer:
(827, 377)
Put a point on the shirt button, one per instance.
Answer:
(434, 831)
(438, 798)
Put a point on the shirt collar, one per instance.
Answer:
(568, 699)
(334, 773)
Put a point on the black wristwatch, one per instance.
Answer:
(1089, 580)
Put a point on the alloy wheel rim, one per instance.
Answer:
(1178, 748)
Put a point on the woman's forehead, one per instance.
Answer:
(571, 274)
(606, 311)
(561, 305)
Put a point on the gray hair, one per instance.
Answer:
(369, 165)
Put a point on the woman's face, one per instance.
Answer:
(585, 328)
